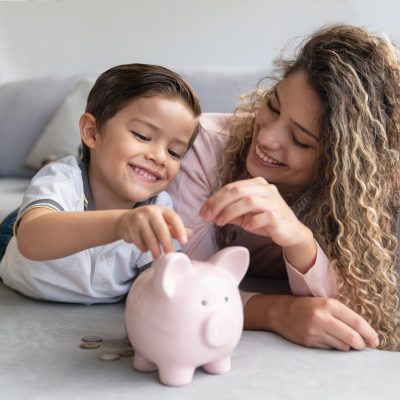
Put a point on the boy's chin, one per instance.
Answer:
(142, 197)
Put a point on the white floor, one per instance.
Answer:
(40, 358)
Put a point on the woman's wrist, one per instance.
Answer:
(302, 255)
(264, 312)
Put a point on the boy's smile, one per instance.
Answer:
(145, 174)
(138, 151)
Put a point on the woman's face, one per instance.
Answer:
(285, 139)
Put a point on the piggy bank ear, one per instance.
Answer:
(234, 259)
(169, 270)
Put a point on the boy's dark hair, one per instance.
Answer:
(119, 85)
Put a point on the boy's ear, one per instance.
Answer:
(87, 127)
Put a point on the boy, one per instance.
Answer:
(139, 122)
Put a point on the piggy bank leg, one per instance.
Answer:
(142, 364)
(175, 376)
(218, 367)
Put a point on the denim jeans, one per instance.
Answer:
(6, 231)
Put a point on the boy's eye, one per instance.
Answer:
(174, 154)
(141, 137)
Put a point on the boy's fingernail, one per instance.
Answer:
(183, 239)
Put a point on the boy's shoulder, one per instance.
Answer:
(68, 166)
(59, 182)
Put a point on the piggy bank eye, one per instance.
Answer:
(203, 302)
(226, 299)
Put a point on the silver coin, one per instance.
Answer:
(92, 339)
(89, 345)
(109, 357)
(126, 353)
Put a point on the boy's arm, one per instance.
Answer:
(44, 234)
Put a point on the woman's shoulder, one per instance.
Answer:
(213, 131)
(214, 122)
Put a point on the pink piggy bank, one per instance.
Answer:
(182, 314)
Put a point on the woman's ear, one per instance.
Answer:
(87, 127)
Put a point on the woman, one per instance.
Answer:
(306, 175)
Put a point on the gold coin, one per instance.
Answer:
(126, 353)
(92, 339)
(89, 345)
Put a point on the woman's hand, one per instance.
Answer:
(257, 206)
(317, 322)
(152, 228)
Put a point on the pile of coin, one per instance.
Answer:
(91, 342)
(94, 342)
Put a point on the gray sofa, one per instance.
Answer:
(40, 357)
(39, 119)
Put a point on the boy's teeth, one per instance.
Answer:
(145, 173)
(264, 157)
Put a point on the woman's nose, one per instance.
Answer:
(271, 136)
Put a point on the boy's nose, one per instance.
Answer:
(157, 155)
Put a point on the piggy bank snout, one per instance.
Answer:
(221, 329)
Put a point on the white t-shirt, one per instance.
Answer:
(102, 274)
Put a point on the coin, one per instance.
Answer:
(92, 339)
(126, 352)
(89, 345)
(109, 357)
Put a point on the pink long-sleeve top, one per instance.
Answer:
(197, 180)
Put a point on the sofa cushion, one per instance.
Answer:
(25, 109)
(220, 90)
(61, 136)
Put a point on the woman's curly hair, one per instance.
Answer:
(356, 194)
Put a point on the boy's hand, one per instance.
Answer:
(151, 228)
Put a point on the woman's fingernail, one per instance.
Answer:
(206, 216)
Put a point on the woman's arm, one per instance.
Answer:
(257, 206)
(310, 321)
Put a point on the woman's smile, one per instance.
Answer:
(265, 160)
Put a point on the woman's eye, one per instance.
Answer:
(174, 154)
(271, 107)
(297, 143)
(141, 137)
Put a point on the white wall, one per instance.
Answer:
(63, 36)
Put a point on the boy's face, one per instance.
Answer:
(138, 152)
